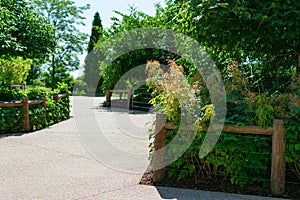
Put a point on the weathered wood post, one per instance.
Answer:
(159, 142)
(130, 98)
(25, 111)
(107, 101)
(55, 96)
(278, 162)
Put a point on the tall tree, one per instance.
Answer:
(69, 41)
(125, 22)
(97, 32)
(91, 66)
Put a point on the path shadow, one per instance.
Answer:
(190, 194)
(103, 108)
(18, 134)
(4, 135)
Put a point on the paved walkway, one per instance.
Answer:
(56, 163)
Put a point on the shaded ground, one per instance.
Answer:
(203, 183)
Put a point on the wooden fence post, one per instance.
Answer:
(278, 162)
(55, 96)
(130, 98)
(25, 111)
(159, 142)
(107, 101)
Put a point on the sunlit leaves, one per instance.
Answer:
(23, 31)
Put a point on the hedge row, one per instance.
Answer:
(11, 118)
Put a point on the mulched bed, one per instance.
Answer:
(292, 191)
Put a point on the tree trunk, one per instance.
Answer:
(53, 74)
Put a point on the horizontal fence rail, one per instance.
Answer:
(134, 101)
(109, 93)
(25, 103)
(278, 169)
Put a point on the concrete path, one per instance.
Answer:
(57, 163)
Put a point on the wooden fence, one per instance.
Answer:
(278, 168)
(22, 87)
(25, 103)
(109, 93)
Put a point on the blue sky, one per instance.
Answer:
(106, 8)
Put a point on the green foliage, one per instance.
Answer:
(57, 111)
(61, 76)
(80, 86)
(242, 159)
(128, 60)
(262, 36)
(92, 71)
(141, 97)
(14, 71)
(24, 31)
(63, 104)
(62, 88)
(255, 45)
(7, 95)
(36, 117)
(97, 32)
(11, 118)
(172, 94)
(292, 155)
(35, 93)
(68, 40)
(35, 77)
(264, 112)
(91, 63)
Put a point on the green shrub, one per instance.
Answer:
(11, 118)
(36, 117)
(14, 70)
(242, 159)
(8, 95)
(35, 93)
(57, 111)
(292, 156)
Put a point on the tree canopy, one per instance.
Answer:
(262, 36)
(258, 34)
(126, 22)
(24, 31)
(64, 15)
